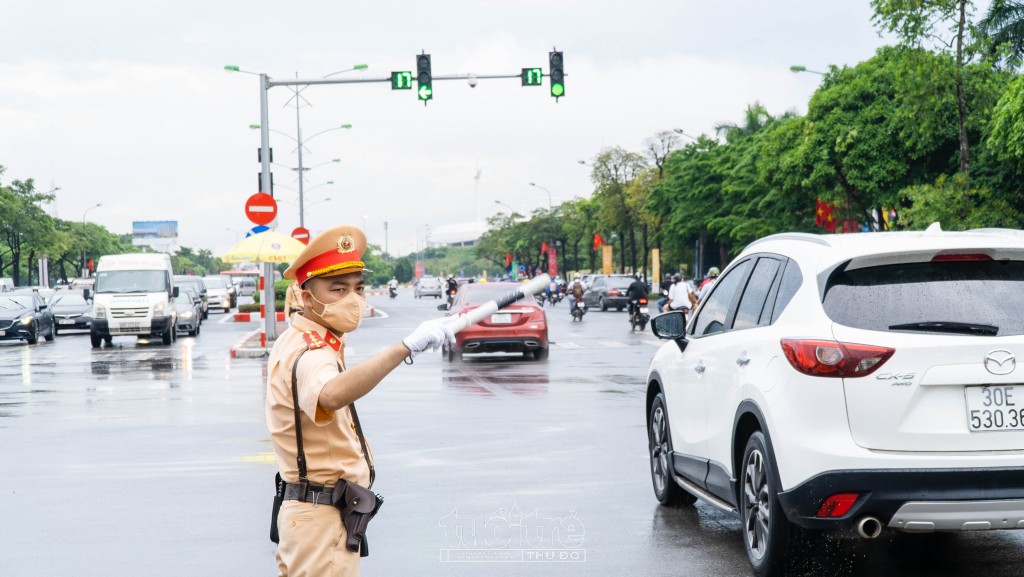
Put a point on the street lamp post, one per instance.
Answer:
(535, 185)
(680, 132)
(796, 69)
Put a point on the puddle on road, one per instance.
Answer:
(491, 379)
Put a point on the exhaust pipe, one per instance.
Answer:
(869, 527)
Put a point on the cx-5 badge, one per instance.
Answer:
(1000, 362)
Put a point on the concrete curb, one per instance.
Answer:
(244, 350)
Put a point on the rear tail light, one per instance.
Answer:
(960, 257)
(613, 293)
(538, 317)
(821, 358)
(837, 505)
(643, 301)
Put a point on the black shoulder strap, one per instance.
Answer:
(301, 456)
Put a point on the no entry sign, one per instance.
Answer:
(261, 208)
(301, 234)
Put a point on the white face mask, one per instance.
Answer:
(344, 315)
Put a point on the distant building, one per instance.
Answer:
(463, 234)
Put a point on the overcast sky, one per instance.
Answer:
(126, 103)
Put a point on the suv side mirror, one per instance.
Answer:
(671, 326)
(174, 293)
(86, 294)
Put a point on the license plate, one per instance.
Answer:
(580, 304)
(131, 327)
(995, 408)
(66, 322)
(3, 333)
(643, 310)
(501, 318)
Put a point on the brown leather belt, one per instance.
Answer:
(317, 494)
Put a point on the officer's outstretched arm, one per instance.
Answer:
(350, 385)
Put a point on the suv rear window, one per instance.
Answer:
(960, 297)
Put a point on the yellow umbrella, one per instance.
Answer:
(269, 246)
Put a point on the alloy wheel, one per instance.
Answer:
(757, 498)
(659, 450)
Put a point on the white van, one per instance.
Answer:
(134, 295)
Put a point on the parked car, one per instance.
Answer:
(518, 328)
(865, 382)
(608, 291)
(198, 286)
(6, 284)
(217, 293)
(246, 287)
(71, 311)
(25, 315)
(429, 286)
(229, 282)
(189, 312)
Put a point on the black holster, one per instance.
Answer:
(357, 506)
(278, 499)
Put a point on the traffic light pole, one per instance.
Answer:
(270, 319)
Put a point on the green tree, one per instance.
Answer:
(918, 22)
(1003, 27)
(403, 270)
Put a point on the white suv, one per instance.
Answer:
(856, 381)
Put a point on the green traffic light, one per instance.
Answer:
(557, 90)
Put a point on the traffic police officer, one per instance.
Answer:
(330, 273)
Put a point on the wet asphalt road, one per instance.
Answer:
(153, 460)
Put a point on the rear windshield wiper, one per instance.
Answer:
(948, 327)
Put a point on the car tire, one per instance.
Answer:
(659, 444)
(194, 333)
(52, 334)
(603, 305)
(227, 309)
(55, 331)
(540, 355)
(167, 338)
(766, 531)
(96, 341)
(206, 314)
(618, 309)
(33, 337)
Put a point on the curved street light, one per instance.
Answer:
(535, 185)
(97, 205)
(796, 69)
(680, 132)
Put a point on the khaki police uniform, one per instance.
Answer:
(312, 536)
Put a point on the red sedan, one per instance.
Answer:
(518, 328)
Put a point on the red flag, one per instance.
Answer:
(819, 212)
(543, 247)
(830, 221)
(598, 241)
(508, 259)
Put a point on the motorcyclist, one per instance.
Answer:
(637, 290)
(576, 291)
(680, 297)
(453, 286)
(393, 285)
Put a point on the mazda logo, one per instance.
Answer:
(1000, 362)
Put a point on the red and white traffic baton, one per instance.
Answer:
(487, 309)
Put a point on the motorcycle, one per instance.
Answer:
(451, 299)
(539, 297)
(579, 308)
(639, 314)
(555, 297)
(392, 292)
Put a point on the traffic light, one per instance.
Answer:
(557, 74)
(424, 79)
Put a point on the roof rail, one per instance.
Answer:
(803, 236)
(1007, 231)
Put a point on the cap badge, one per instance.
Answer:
(345, 243)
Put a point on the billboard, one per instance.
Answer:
(154, 233)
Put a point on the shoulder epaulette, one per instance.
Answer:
(315, 341)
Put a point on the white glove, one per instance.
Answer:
(429, 335)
